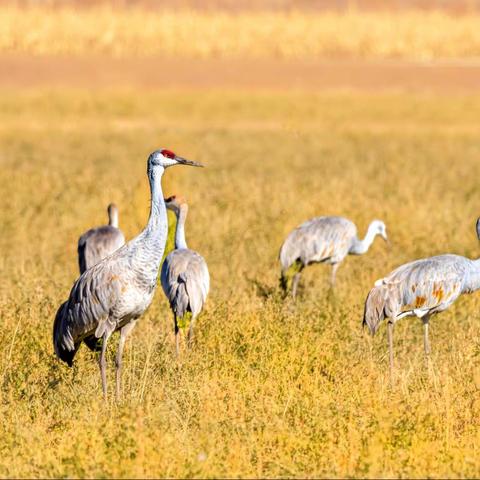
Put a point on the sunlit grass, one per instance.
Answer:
(271, 388)
(296, 35)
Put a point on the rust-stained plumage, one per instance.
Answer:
(420, 288)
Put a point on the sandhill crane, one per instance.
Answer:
(115, 292)
(323, 240)
(420, 289)
(185, 278)
(98, 243)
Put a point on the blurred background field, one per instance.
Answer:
(271, 388)
(293, 34)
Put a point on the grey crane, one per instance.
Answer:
(420, 289)
(97, 243)
(115, 292)
(184, 276)
(323, 240)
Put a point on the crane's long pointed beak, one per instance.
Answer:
(184, 161)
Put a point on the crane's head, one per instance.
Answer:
(166, 158)
(112, 208)
(175, 203)
(379, 228)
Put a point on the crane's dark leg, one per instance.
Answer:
(390, 345)
(124, 332)
(296, 279)
(177, 335)
(426, 343)
(334, 274)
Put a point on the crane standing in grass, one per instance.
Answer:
(323, 240)
(420, 289)
(98, 243)
(114, 293)
(185, 278)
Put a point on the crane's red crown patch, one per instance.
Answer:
(168, 153)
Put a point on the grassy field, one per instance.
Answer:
(412, 34)
(271, 388)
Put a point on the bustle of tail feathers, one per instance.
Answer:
(93, 343)
(284, 280)
(374, 311)
(62, 352)
(180, 304)
(285, 257)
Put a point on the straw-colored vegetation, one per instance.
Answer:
(271, 388)
(136, 32)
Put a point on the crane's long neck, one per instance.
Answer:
(154, 236)
(113, 217)
(472, 281)
(180, 241)
(360, 247)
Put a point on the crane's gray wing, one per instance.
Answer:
(87, 309)
(97, 244)
(185, 281)
(417, 288)
(431, 284)
(318, 240)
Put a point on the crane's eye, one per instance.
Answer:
(168, 153)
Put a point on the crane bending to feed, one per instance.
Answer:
(420, 289)
(323, 240)
(185, 278)
(114, 293)
(98, 243)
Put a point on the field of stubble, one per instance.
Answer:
(271, 388)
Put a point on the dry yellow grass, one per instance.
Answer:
(137, 32)
(270, 388)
